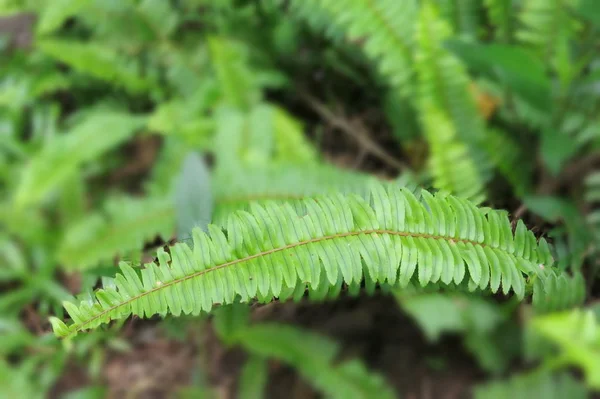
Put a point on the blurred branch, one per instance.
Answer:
(355, 129)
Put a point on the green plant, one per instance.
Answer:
(204, 147)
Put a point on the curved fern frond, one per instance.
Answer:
(547, 24)
(275, 251)
(592, 196)
(448, 112)
(385, 28)
(236, 189)
(534, 385)
(449, 161)
(555, 292)
(123, 226)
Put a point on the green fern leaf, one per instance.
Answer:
(592, 196)
(236, 189)
(385, 26)
(123, 226)
(547, 24)
(274, 250)
(534, 385)
(444, 100)
(555, 292)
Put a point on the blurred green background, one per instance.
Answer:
(126, 123)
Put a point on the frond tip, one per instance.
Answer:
(277, 251)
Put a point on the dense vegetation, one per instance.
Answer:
(193, 162)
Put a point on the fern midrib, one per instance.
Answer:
(81, 326)
(261, 197)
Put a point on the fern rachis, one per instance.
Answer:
(275, 251)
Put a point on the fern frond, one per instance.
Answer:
(500, 13)
(508, 158)
(463, 15)
(546, 24)
(451, 166)
(66, 154)
(124, 225)
(237, 189)
(448, 112)
(317, 18)
(274, 251)
(96, 60)
(534, 385)
(555, 292)
(385, 28)
(592, 196)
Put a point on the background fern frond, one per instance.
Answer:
(385, 26)
(592, 196)
(546, 24)
(443, 91)
(508, 158)
(124, 225)
(236, 189)
(463, 15)
(555, 292)
(533, 385)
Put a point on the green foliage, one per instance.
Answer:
(254, 378)
(441, 113)
(103, 100)
(95, 60)
(262, 254)
(314, 359)
(439, 313)
(124, 225)
(556, 292)
(500, 15)
(577, 336)
(533, 385)
(67, 153)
